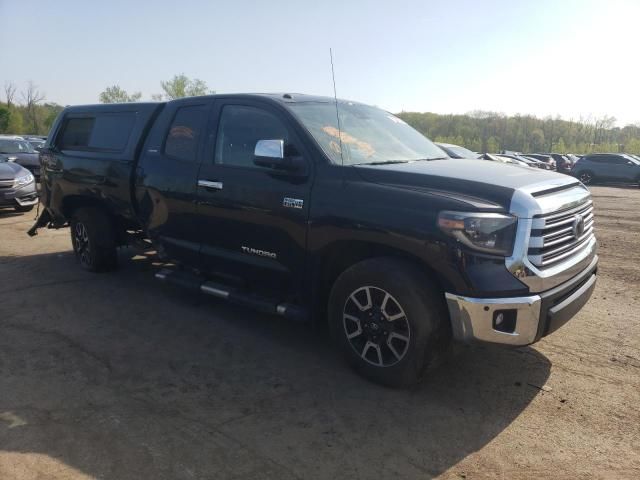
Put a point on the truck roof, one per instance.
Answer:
(284, 98)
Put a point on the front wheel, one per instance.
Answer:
(586, 177)
(93, 240)
(389, 320)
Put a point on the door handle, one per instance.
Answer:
(210, 184)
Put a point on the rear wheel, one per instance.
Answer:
(389, 320)
(586, 177)
(23, 209)
(93, 239)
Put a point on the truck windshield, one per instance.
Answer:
(369, 135)
(15, 146)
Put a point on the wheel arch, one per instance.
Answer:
(71, 203)
(338, 256)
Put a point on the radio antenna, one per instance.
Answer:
(335, 96)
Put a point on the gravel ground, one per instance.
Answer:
(116, 376)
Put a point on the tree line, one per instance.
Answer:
(482, 131)
(27, 112)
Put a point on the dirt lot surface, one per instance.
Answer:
(116, 376)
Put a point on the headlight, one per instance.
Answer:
(486, 232)
(22, 181)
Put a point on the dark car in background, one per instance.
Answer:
(612, 167)
(456, 151)
(21, 152)
(17, 186)
(564, 164)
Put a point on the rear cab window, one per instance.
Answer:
(102, 132)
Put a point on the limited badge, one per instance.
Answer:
(292, 202)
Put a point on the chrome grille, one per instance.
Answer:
(559, 235)
(6, 183)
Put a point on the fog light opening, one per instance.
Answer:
(505, 320)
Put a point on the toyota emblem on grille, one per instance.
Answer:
(578, 226)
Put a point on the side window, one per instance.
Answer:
(240, 129)
(614, 160)
(184, 133)
(76, 133)
(112, 131)
(102, 132)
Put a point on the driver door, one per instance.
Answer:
(253, 219)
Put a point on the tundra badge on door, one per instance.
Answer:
(261, 253)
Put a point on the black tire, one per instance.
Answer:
(23, 209)
(425, 322)
(586, 177)
(94, 240)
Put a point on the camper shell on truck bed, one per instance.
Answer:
(267, 200)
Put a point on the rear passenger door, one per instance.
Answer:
(167, 176)
(253, 219)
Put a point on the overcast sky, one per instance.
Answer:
(545, 57)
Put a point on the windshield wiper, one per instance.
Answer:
(384, 162)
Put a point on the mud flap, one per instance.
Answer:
(43, 220)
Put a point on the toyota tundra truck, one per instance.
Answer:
(325, 211)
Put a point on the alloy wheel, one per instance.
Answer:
(586, 178)
(82, 244)
(376, 326)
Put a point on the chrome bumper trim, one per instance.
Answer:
(472, 318)
(26, 203)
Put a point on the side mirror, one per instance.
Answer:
(270, 154)
(269, 150)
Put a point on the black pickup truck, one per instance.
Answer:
(328, 211)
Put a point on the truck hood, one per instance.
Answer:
(481, 179)
(9, 170)
(30, 159)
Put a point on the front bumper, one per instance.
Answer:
(524, 319)
(19, 197)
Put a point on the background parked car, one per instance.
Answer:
(563, 163)
(456, 151)
(543, 158)
(530, 162)
(21, 152)
(617, 167)
(36, 142)
(17, 186)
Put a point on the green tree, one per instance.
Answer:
(15, 121)
(182, 86)
(115, 94)
(560, 147)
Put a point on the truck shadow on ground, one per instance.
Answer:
(116, 376)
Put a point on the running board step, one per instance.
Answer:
(233, 295)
